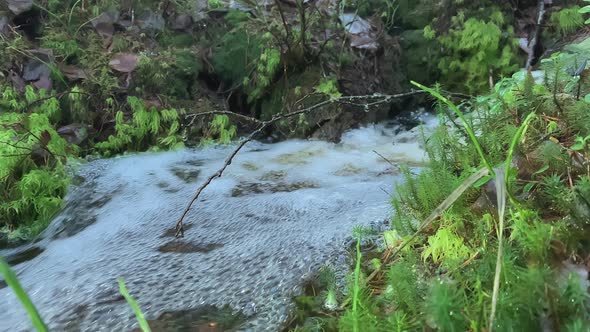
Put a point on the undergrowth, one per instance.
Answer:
(445, 275)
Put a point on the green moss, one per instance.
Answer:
(33, 180)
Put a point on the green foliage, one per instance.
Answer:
(531, 234)
(447, 248)
(170, 73)
(12, 281)
(444, 305)
(329, 88)
(585, 10)
(220, 130)
(567, 20)
(475, 48)
(405, 285)
(146, 128)
(32, 173)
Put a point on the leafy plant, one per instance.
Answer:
(146, 128)
(585, 10)
(477, 49)
(568, 20)
(220, 130)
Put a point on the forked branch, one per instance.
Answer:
(365, 101)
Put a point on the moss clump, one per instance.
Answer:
(33, 180)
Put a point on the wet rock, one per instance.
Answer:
(250, 166)
(181, 247)
(104, 24)
(360, 32)
(36, 68)
(74, 133)
(202, 319)
(3, 24)
(151, 22)
(182, 22)
(299, 157)
(186, 175)
(199, 11)
(249, 188)
(348, 170)
(171, 232)
(18, 7)
(333, 129)
(273, 176)
(23, 256)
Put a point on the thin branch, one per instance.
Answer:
(229, 113)
(387, 160)
(265, 124)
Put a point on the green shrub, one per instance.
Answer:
(475, 49)
(567, 20)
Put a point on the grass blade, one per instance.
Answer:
(501, 194)
(356, 287)
(12, 281)
(460, 114)
(143, 324)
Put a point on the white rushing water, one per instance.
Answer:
(278, 213)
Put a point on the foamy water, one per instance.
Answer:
(278, 213)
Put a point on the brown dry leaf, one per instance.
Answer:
(45, 138)
(124, 62)
(44, 82)
(73, 73)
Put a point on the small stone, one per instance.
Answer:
(182, 22)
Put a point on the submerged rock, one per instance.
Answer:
(244, 189)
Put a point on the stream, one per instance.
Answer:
(276, 216)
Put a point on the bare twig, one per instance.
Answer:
(229, 113)
(265, 124)
(387, 160)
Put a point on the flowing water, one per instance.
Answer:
(278, 213)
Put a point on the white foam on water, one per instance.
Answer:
(297, 201)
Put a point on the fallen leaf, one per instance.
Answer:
(73, 73)
(124, 62)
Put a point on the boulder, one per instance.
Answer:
(182, 22)
(18, 7)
